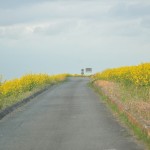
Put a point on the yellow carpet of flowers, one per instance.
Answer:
(27, 83)
(137, 75)
(133, 92)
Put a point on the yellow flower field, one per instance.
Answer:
(127, 89)
(27, 83)
(137, 75)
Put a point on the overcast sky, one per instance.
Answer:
(57, 36)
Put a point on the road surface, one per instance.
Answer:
(69, 116)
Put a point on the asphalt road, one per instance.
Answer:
(69, 116)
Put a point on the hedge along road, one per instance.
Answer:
(69, 116)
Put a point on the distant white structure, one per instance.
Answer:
(88, 71)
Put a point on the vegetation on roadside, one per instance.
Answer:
(134, 85)
(130, 87)
(1, 79)
(122, 116)
(135, 75)
(12, 91)
(77, 75)
(74, 75)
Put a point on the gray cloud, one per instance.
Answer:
(93, 10)
(146, 22)
(51, 10)
(66, 35)
(125, 10)
(7, 4)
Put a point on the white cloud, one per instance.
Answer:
(70, 34)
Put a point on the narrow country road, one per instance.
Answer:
(69, 116)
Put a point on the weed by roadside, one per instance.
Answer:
(107, 94)
(14, 90)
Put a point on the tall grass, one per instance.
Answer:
(134, 79)
(130, 87)
(12, 90)
(137, 75)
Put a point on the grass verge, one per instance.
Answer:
(123, 117)
(6, 101)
